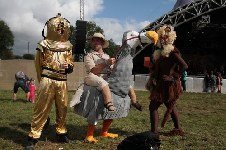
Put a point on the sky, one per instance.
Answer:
(26, 18)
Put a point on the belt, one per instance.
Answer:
(54, 78)
(53, 70)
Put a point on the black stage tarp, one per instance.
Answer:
(202, 44)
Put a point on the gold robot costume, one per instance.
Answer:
(52, 53)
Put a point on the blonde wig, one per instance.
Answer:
(167, 36)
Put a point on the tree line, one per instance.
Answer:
(7, 41)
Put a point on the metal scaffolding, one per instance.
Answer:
(82, 9)
(186, 13)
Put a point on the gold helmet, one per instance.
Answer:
(58, 29)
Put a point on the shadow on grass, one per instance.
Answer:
(78, 132)
(14, 101)
(18, 133)
(5, 100)
(12, 134)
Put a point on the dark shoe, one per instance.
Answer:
(46, 124)
(109, 106)
(62, 138)
(137, 105)
(30, 143)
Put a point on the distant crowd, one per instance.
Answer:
(213, 81)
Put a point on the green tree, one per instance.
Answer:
(112, 48)
(92, 27)
(18, 57)
(29, 56)
(72, 36)
(6, 41)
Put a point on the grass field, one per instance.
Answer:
(203, 117)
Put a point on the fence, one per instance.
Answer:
(193, 84)
(8, 68)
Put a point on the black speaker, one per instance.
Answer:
(80, 37)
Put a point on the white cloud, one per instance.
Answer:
(114, 28)
(26, 19)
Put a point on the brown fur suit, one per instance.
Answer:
(164, 83)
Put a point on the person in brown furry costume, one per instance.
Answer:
(164, 82)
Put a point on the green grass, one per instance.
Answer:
(203, 117)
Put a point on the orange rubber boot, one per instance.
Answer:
(89, 135)
(104, 131)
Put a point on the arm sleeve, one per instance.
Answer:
(27, 78)
(70, 62)
(180, 61)
(89, 62)
(70, 58)
(38, 66)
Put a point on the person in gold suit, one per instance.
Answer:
(53, 62)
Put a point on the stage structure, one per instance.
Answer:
(201, 30)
